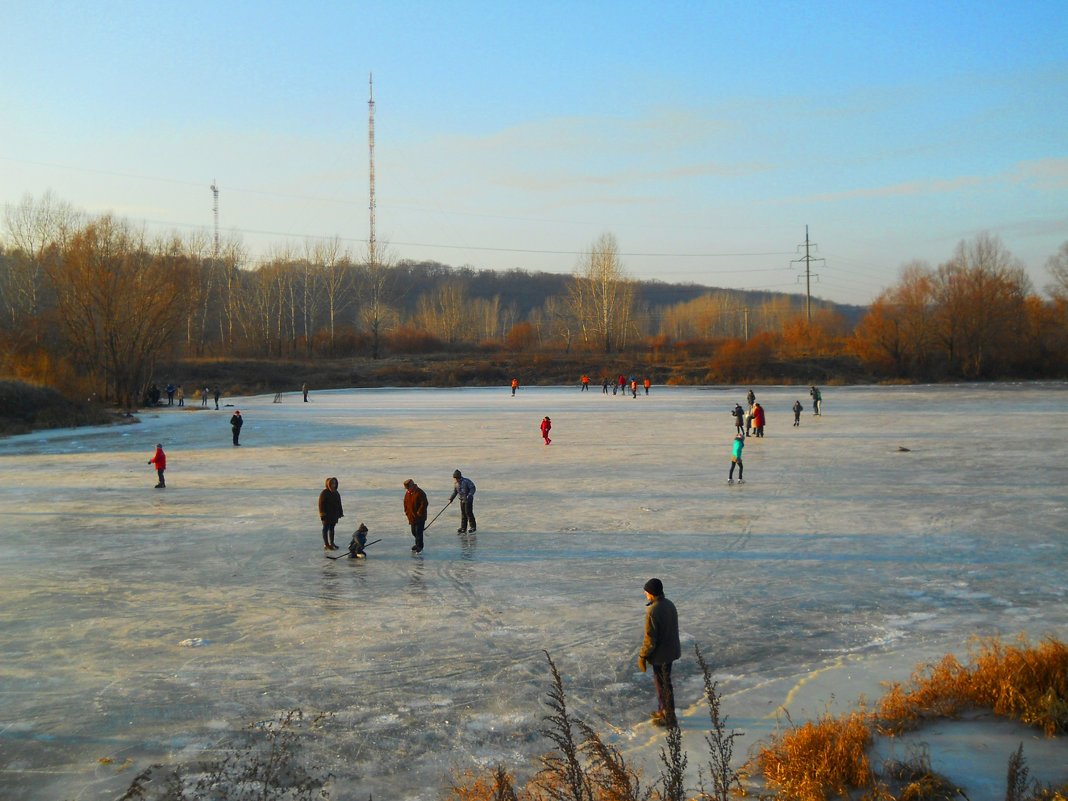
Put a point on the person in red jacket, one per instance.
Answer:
(159, 459)
(546, 427)
(415, 507)
(758, 419)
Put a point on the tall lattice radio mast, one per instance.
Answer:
(372, 247)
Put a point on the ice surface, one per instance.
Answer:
(142, 625)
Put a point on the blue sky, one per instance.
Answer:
(704, 136)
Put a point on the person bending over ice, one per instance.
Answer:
(358, 543)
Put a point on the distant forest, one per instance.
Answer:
(92, 305)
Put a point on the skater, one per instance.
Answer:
(758, 419)
(634, 387)
(159, 459)
(170, 394)
(817, 399)
(585, 383)
(622, 385)
(465, 488)
(647, 383)
(546, 427)
(736, 459)
(660, 648)
(330, 512)
(304, 389)
(750, 398)
(181, 395)
(415, 507)
(604, 386)
(798, 408)
(216, 393)
(204, 398)
(515, 386)
(739, 419)
(358, 542)
(749, 421)
(235, 426)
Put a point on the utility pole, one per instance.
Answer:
(745, 311)
(808, 258)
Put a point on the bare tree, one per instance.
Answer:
(1057, 264)
(602, 296)
(119, 303)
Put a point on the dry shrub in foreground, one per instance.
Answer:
(821, 758)
(1021, 682)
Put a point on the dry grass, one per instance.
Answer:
(822, 758)
(1022, 682)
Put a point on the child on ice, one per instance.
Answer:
(358, 542)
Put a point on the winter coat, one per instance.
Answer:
(465, 488)
(159, 459)
(661, 644)
(330, 510)
(415, 504)
(739, 414)
(736, 451)
(546, 426)
(758, 416)
(798, 408)
(237, 421)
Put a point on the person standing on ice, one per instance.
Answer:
(546, 427)
(465, 488)
(798, 408)
(660, 648)
(515, 386)
(415, 507)
(736, 459)
(750, 398)
(758, 419)
(604, 386)
(739, 418)
(235, 426)
(159, 459)
(216, 394)
(330, 511)
(817, 399)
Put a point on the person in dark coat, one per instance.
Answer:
(235, 425)
(358, 543)
(216, 394)
(739, 418)
(660, 648)
(415, 508)
(330, 512)
(798, 408)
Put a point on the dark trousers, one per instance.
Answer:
(467, 514)
(328, 530)
(665, 693)
(159, 473)
(237, 434)
(417, 532)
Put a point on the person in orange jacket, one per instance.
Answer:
(415, 508)
(758, 419)
(515, 386)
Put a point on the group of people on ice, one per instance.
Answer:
(416, 508)
(750, 423)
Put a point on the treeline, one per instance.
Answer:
(92, 305)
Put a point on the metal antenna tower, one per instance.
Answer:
(215, 211)
(808, 258)
(372, 248)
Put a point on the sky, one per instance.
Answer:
(705, 136)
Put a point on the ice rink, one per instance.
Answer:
(141, 625)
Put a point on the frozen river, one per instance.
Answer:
(141, 625)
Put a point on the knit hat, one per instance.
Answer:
(361, 528)
(456, 474)
(654, 586)
(408, 482)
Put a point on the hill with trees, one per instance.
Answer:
(94, 308)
